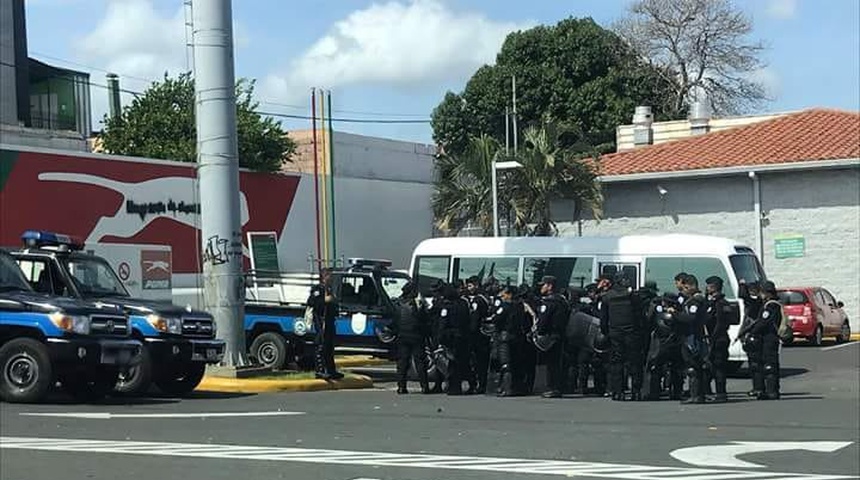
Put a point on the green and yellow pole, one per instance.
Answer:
(331, 179)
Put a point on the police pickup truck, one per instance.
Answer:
(178, 342)
(279, 332)
(43, 339)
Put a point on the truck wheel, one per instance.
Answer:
(91, 387)
(27, 371)
(271, 350)
(183, 380)
(137, 379)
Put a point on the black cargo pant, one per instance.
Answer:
(480, 353)
(556, 371)
(526, 359)
(458, 369)
(411, 351)
(626, 355)
(664, 354)
(324, 346)
(720, 362)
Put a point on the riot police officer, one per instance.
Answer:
(526, 353)
(325, 308)
(664, 354)
(507, 322)
(454, 336)
(761, 342)
(693, 315)
(620, 320)
(750, 294)
(411, 325)
(552, 314)
(479, 344)
(718, 329)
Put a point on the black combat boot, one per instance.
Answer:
(720, 387)
(696, 388)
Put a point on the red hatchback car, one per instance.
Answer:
(815, 314)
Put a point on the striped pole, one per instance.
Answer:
(331, 178)
(316, 170)
(323, 168)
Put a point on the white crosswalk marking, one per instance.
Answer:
(380, 459)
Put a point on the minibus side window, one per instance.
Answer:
(663, 271)
(568, 271)
(503, 269)
(429, 270)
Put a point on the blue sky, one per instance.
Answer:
(394, 59)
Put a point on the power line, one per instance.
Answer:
(261, 101)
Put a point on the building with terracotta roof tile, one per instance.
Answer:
(786, 184)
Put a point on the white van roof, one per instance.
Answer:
(667, 244)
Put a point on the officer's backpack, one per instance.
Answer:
(784, 331)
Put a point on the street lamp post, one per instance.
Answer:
(499, 166)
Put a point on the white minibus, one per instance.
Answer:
(578, 261)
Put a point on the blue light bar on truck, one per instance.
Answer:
(39, 239)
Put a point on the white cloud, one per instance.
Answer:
(769, 79)
(139, 43)
(397, 43)
(782, 9)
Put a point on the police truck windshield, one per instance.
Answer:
(93, 277)
(11, 276)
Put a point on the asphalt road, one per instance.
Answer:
(376, 434)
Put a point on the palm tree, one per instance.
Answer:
(550, 171)
(463, 187)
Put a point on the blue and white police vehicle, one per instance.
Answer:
(279, 331)
(45, 339)
(178, 342)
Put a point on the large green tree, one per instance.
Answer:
(575, 73)
(160, 123)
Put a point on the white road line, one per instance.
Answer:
(400, 460)
(834, 347)
(109, 416)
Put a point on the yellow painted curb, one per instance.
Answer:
(252, 385)
(359, 361)
(855, 336)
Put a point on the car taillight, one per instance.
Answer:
(807, 311)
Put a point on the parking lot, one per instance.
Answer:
(812, 433)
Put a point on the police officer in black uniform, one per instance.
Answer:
(526, 353)
(454, 336)
(411, 325)
(479, 344)
(750, 294)
(619, 318)
(761, 343)
(718, 328)
(693, 315)
(325, 309)
(507, 322)
(664, 354)
(552, 314)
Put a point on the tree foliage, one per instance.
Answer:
(160, 123)
(575, 73)
(699, 46)
(551, 170)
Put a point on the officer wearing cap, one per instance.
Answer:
(553, 312)
(718, 328)
(411, 324)
(479, 344)
(765, 347)
(325, 307)
(750, 294)
(693, 316)
(619, 318)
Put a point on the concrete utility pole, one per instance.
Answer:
(218, 173)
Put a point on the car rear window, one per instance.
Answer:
(792, 297)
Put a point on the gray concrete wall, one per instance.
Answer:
(37, 137)
(8, 95)
(823, 206)
(375, 219)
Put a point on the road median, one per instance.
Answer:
(282, 383)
